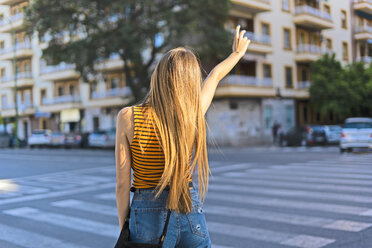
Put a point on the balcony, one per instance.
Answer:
(22, 50)
(13, 23)
(363, 5)
(251, 6)
(309, 53)
(312, 18)
(363, 33)
(59, 103)
(10, 2)
(259, 43)
(113, 62)
(24, 108)
(364, 59)
(23, 79)
(112, 97)
(303, 85)
(242, 85)
(58, 72)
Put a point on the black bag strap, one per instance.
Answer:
(165, 228)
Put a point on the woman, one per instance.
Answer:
(156, 139)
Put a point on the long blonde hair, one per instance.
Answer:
(175, 110)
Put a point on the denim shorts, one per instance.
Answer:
(148, 216)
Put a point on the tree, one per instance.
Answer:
(137, 30)
(344, 91)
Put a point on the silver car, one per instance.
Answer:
(102, 138)
(356, 133)
(333, 134)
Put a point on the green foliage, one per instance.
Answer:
(129, 28)
(345, 91)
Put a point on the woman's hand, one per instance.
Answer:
(241, 43)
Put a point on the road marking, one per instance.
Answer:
(299, 185)
(29, 239)
(106, 196)
(304, 178)
(275, 202)
(303, 241)
(230, 167)
(313, 168)
(86, 206)
(292, 193)
(58, 193)
(319, 174)
(73, 223)
(343, 225)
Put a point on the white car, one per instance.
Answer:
(40, 137)
(102, 138)
(333, 134)
(356, 133)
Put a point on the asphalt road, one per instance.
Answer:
(258, 197)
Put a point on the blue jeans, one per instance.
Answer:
(148, 216)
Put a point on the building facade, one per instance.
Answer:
(269, 84)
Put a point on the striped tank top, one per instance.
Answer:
(148, 162)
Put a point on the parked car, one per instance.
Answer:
(40, 137)
(333, 134)
(102, 138)
(303, 136)
(57, 139)
(356, 133)
(5, 140)
(73, 139)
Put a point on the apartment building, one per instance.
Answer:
(271, 82)
(53, 97)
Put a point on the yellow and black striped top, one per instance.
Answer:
(147, 165)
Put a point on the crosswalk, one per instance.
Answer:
(313, 204)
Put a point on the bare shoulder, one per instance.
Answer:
(125, 122)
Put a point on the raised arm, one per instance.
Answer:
(209, 87)
(123, 164)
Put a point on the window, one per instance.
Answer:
(2, 73)
(329, 45)
(289, 115)
(266, 29)
(3, 101)
(72, 90)
(268, 115)
(92, 88)
(27, 67)
(60, 91)
(345, 51)
(327, 9)
(267, 71)
(288, 77)
(114, 83)
(285, 5)
(287, 39)
(2, 45)
(42, 95)
(343, 19)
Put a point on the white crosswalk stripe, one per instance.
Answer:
(86, 206)
(29, 239)
(303, 241)
(343, 225)
(74, 223)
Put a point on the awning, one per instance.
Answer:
(70, 115)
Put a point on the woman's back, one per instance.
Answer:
(147, 153)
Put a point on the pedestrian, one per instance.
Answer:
(275, 129)
(157, 138)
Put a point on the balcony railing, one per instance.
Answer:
(303, 85)
(361, 29)
(246, 81)
(126, 91)
(22, 106)
(21, 75)
(360, 1)
(264, 39)
(54, 68)
(309, 48)
(365, 59)
(24, 45)
(11, 19)
(61, 99)
(304, 9)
